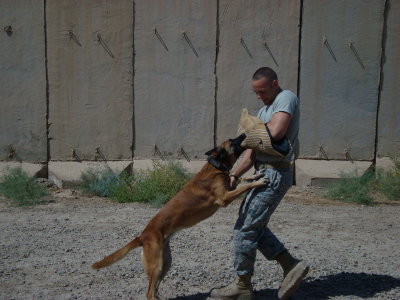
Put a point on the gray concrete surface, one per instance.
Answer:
(193, 166)
(71, 171)
(30, 168)
(339, 84)
(385, 163)
(66, 171)
(308, 172)
(389, 110)
(318, 172)
(22, 81)
(174, 77)
(90, 80)
(141, 88)
(244, 30)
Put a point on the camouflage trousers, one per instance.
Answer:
(251, 232)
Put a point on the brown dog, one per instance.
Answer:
(201, 197)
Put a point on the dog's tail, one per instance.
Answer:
(117, 255)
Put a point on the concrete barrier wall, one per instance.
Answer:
(90, 79)
(22, 81)
(339, 78)
(174, 77)
(265, 33)
(389, 111)
(143, 79)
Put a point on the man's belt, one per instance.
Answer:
(260, 165)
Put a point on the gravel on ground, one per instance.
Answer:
(46, 251)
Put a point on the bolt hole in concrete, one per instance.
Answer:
(8, 30)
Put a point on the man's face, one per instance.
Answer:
(265, 90)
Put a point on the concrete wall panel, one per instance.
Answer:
(389, 112)
(339, 82)
(244, 27)
(23, 81)
(90, 77)
(174, 77)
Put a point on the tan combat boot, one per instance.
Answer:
(239, 289)
(294, 272)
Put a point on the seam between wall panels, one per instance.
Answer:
(298, 73)
(47, 83)
(133, 144)
(215, 76)
(299, 48)
(381, 75)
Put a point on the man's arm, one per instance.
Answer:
(245, 164)
(279, 124)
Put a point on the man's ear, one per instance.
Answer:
(209, 152)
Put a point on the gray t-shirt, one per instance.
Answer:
(287, 102)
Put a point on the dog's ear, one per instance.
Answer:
(218, 151)
(209, 152)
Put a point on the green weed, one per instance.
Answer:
(123, 190)
(388, 183)
(99, 182)
(22, 189)
(352, 188)
(158, 185)
(154, 186)
(358, 189)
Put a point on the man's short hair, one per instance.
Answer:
(266, 73)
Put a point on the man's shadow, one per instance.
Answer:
(342, 284)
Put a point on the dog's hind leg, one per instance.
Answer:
(166, 265)
(167, 261)
(153, 264)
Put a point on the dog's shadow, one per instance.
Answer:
(342, 284)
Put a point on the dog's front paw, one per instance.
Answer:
(261, 182)
(253, 177)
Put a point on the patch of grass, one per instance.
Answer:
(388, 183)
(154, 186)
(123, 191)
(99, 182)
(22, 189)
(359, 189)
(158, 185)
(352, 188)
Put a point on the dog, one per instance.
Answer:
(200, 198)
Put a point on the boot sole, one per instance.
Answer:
(293, 280)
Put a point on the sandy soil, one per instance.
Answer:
(46, 251)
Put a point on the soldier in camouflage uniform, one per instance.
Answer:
(281, 115)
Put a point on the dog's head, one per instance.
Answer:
(229, 151)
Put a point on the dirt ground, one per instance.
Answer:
(46, 251)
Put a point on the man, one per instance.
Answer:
(281, 115)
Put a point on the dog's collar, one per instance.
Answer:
(217, 164)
